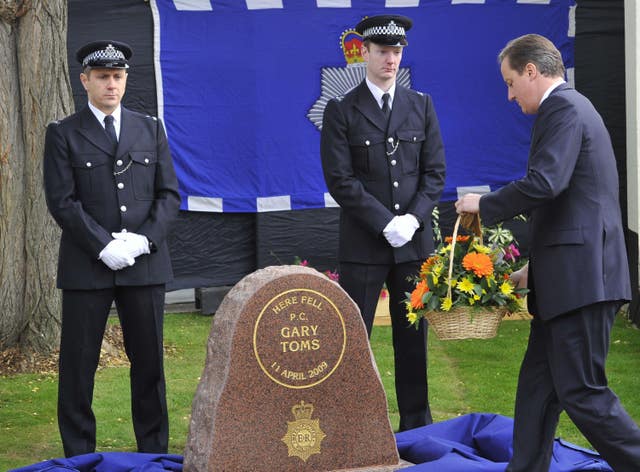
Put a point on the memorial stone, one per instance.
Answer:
(289, 382)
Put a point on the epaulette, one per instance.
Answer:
(53, 122)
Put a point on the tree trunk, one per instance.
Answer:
(34, 89)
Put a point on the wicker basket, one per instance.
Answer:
(465, 322)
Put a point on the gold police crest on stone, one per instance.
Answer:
(303, 435)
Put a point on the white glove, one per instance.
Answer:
(136, 244)
(116, 256)
(400, 230)
(407, 226)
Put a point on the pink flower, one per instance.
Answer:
(304, 263)
(332, 275)
(511, 253)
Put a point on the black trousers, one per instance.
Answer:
(564, 369)
(84, 317)
(363, 283)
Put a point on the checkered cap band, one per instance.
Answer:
(392, 29)
(107, 54)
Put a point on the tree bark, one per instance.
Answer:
(34, 89)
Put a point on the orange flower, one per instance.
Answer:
(480, 264)
(427, 265)
(459, 239)
(418, 292)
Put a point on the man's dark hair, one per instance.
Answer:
(535, 49)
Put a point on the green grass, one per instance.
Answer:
(464, 376)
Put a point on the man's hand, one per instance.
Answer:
(136, 244)
(116, 256)
(469, 203)
(400, 230)
(520, 277)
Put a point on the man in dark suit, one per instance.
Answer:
(111, 187)
(383, 162)
(577, 272)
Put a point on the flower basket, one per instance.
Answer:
(464, 323)
(464, 289)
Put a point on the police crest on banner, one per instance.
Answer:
(337, 81)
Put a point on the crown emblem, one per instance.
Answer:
(351, 42)
(302, 410)
(303, 435)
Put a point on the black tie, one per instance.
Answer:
(110, 129)
(385, 105)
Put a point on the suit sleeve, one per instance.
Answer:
(166, 201)
(432, 167)
(59, 187)
(555, 148)
(339, 175)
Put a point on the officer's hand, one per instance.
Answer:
(136, 244)
(397, 232)
(407, 226)
(116, 256)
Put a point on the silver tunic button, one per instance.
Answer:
(414, 139)
(146, 161)
(393, 162)
(124, 230)
(395, 184)
(396, 206)
(390, 139)
(119, 162)
(88, 164)
(123, 208)
(367, 142)
(120, 185)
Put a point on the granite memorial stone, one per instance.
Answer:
(289, 382)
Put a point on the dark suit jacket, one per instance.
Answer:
(570, 191)
(372, 187)
(84, 197)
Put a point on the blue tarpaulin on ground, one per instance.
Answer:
(481, 442)
(477, 442)
(242, 85)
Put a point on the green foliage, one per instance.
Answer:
(464, 376)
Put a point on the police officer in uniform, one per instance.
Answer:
(111, 187)
(383, 162)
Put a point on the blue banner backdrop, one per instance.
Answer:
(241, 90)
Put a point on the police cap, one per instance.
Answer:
(105, 54)
(386, 30)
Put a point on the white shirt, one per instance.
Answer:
(378, 93)
(551, 89)
(116, 117)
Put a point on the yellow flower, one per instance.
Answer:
(506, 288)
(446, 304)
(412, 317)
(477, 297)
(445, 250)
(482, 249)
(436, 270)
(466, 285)
(471, 301)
